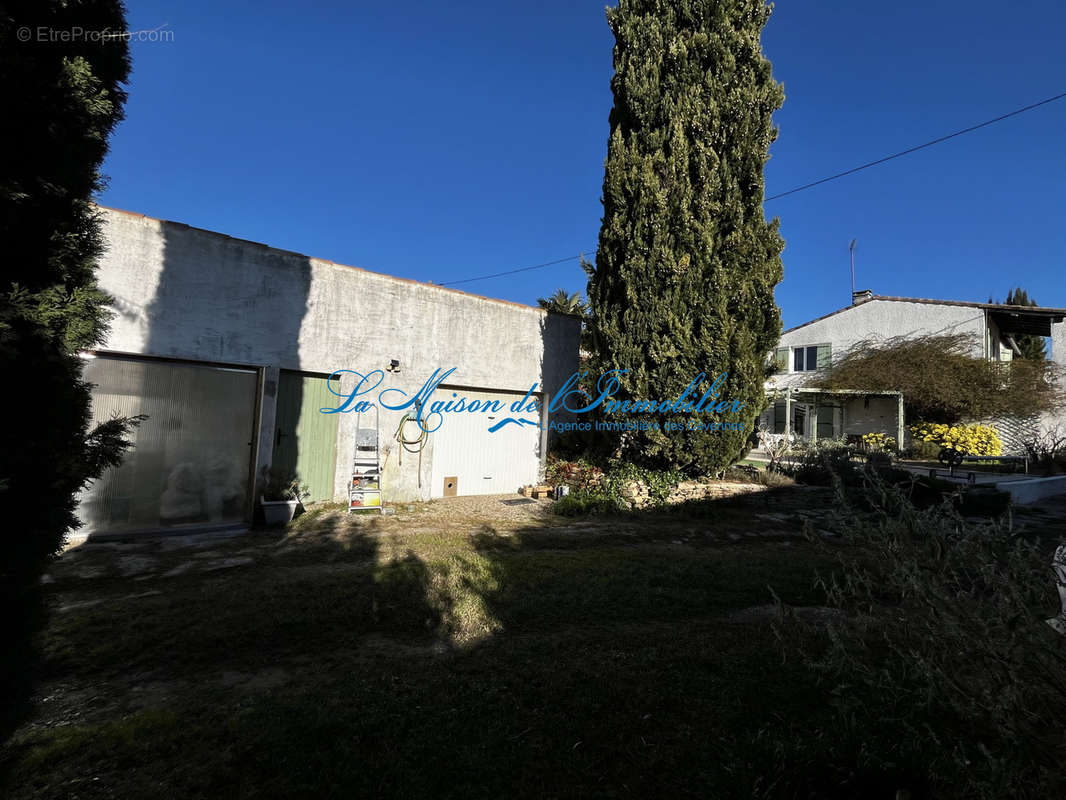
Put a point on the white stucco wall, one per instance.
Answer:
(193, 294)
(883, 319)
(1056, 421)
(852, 416)
(1058, 343)
(870, 415)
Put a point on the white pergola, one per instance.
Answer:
(792, 394)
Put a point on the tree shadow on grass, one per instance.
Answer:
(587, 659)
(569, 663)
(688, 696)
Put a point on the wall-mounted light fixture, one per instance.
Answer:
(394, 366)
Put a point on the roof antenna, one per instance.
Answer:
(851, 249)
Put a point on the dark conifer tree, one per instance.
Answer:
(62, 88)
(687, 263)
(1033, 348)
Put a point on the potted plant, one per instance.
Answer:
(280, 495)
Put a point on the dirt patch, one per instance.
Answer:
(509, 509)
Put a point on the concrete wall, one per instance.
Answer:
(1033, 490)
(193, 294)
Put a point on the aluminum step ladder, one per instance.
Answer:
(364, 488)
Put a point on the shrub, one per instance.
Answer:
(659, 483)
(836, 465)
(774, 480)
(879, 459)
(923, 450)
(578, 445)
(1047, 451)
(770, 478)
(944, 663)
(277, 484)
(577, 474)
(983, 501)
(610, 490)
(944, 378)
(822, 464)
(583, 502)
(878, 441)
(972, 440)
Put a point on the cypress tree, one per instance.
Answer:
(62, 98)
(687, 263)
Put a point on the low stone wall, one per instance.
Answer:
(637, 493)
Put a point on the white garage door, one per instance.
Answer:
(483, 462)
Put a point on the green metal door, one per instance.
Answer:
(305, 440)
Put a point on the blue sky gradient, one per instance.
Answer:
(440, 141)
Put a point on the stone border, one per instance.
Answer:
(638, 495)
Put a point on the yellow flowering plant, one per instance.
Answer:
(972, 440)
(878, 441)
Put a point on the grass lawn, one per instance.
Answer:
(428, 655)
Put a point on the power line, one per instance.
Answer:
(513, 271)
(915, 149)
(810, 185)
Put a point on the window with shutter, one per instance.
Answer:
(811, 357)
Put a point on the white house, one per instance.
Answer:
(808, 348)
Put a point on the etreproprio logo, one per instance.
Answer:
(571, 398)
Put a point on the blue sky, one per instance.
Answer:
(440, 141)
